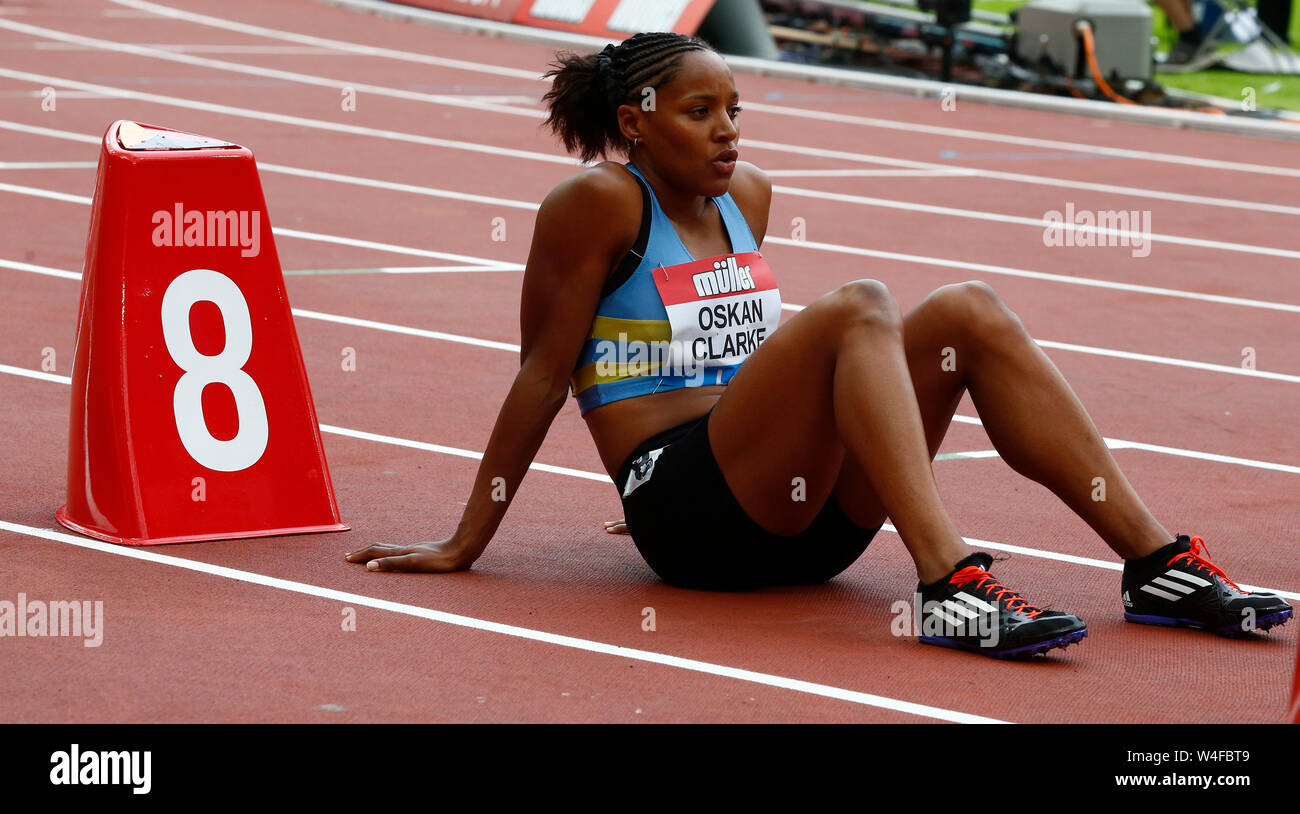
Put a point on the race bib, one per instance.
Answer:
(720, 309)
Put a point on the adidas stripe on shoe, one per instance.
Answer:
(970, 610)
(1178, 586)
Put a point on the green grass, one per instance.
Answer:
(1284, 91)
(997, 6)
(1271, 90)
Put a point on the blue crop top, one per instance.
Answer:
(666, 320)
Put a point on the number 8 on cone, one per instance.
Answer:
(192, 417)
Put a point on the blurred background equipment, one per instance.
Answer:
(1122, 29)
(1088, 49)
(1043, 45)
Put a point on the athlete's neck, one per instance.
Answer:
(680, 206)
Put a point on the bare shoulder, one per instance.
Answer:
(751, 189)
(605, 189)
(585, 225)
(751, 179)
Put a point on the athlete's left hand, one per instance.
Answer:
(616, 526)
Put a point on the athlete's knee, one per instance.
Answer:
(867, 302)
(976, 308)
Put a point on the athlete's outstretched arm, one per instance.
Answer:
(581, 227)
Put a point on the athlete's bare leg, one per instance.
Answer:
(851, 397)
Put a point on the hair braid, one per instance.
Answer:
(588, 88)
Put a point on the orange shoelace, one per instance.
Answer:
(1015, 603)
(1199, 557)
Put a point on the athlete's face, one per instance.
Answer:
(691, 134)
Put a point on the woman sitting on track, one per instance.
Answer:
(780, 470)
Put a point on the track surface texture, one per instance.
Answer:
(548, 626)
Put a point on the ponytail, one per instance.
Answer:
(589, 88)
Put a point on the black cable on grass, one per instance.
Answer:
(588, 88)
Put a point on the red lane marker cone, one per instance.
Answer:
(192, 418)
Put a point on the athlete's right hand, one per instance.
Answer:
(435, 557)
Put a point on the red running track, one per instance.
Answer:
(1153, 345)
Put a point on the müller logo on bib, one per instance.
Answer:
(725, 278)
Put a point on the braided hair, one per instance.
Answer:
(589, 88)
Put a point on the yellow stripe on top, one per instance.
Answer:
(587, 375)
(621, 331)
(631, 330)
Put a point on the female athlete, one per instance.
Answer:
(645, 292)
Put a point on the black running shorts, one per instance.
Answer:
(691, 530)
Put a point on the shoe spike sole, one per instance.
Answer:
(1268, 620)
(1025, 652)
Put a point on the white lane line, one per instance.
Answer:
(299, 172)
(1111, 443)
(299, 312)
(531, 111)
(37, 192)
(868, 173)
(802, 113)
(487, 264)
(362, 435)
(1125, 237)
(337, 45)
(498, 266)
(37, 130)
(66, 94)
(975, 453)
(47, 165)
(296, 121)
(1023, 178)
(400, 270)
(601, 477)
(803, 244)
(1237, 370)
(446, 269)
(402, 329)
(495, 265)
(1143, 357)
(912, 128)
(473, 623)
(204, 49)
(1117, 443)
(391, 186)
(35, 269)
(256, 70)
(483, 263)
(35, 374)
(1033, 275)
(995, 217)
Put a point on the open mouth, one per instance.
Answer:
(725, 162)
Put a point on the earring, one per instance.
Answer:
(636, 141)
